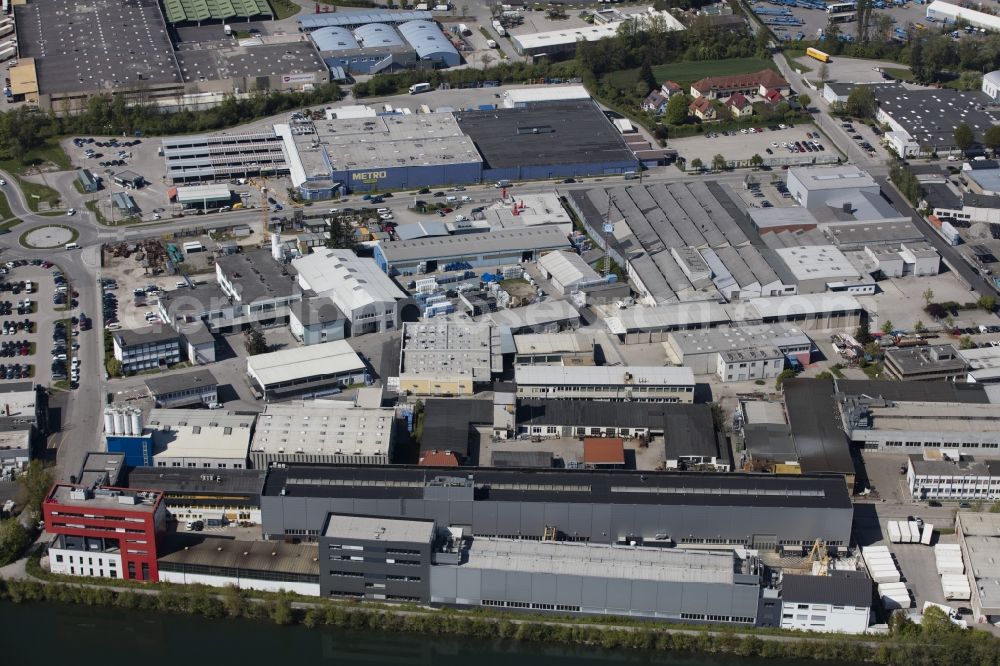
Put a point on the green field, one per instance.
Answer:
(686, 73)
(798, 59)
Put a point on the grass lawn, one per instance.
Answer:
(5, 212)
(48, 152)
(900, 73)
(686, 73)
(9, 224)
(284, 8)
(799, 59)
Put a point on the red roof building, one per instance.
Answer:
(755, 83)
(104, 532)
(702, 108)
(438, 459)
(604, 452)
(739, 105)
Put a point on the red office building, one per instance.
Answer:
(104, 532)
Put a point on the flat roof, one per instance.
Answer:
(199, 193)
(247, 557)
(603, 451)
(832, 177)
(323, 427)
(208, 418)
(101, 469)
(884, 231)
(535, 314)
(817, 262)
(770, 441)
(144, 336)
(967, 466)
(725, 338)
(787, 306)
(197, 441)
(448, 423)
(931, 357)
(257, 276)
(915, 391)
(326, 358)
(17, 403)
(500, 240)
(226, 61)
(622, 487)
(987, 179)
(183, 480)
(343, 526)
(934, 417)
(172, 382)
(931, 115)
(95, 46)
(680, 315)
(816, 427)
(554, 343)
(545, 94)
(350, 281)
(602, 561)
(349, 19)
(379, 142)
(984, 362)
(605, 375)
(449, 349)
(549, 133)
(107, 498)
(841, 588)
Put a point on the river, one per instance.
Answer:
(61, 634)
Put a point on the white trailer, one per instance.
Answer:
(8, 53)
(927, 535)
(894, 534)
(914, 532)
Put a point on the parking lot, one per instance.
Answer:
(737, 146)
(814, 22)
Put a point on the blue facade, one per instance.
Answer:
(547, 171)
(316, 191)
(138, 450)
(396, 178)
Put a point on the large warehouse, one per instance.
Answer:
(374, 47)
(382, 152)
(554, 140)
(598, 507)
(306, 372)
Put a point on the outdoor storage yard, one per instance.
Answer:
(790, 22)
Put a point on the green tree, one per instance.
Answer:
(864, 334)
(919, 326)
(928, 295)
(254, 342)
(861, 102)
(677, 110)
(987, 302)
(991, 138)
(887, 327)
(114, 367)
(13, 540)
(697, 164)
(36, 480)
(756, 160)
(964, 137)
(965, 342)
(719, 162)
(787, 373)
(647, 78)
(805, 100)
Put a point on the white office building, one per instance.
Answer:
(840, 602)
(759, 362)
(934, 476)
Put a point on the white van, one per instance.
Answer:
(451, 199)
(72, 246)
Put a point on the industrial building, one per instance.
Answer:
(686, 433)
(925, 363)
(807, 312)
(315, 320)
(454, 426)
(839, 603)
(615, 383)
(516, 98)
(247, 565)
(228, 496)
(680, 242)
(818, 268)
(444, 565)
(908, 417)
(151, 348)
(102, 469)
(90, 536)
(700, 350)
(820, 442)
(572, 348)
(979, 538)
(447, 359)
(184, 389)
(222, 157)
(934, 476)
(562, 43)
(813, 187)
(258, 288)
(306, 372)
(760, 363)
(486, 250)
(549, 140)
(594, 506)
(567, 271)
(983, 363)
(394, 151)
(372, 48)
(24, 424)
(948, 12)
(207, 439)
(349, 20)
(369, 299)
(549, 316)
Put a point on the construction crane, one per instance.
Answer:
(819, 558)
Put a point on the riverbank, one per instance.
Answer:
(933, 644)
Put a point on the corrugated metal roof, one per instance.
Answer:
(333, 38)
(429, 42)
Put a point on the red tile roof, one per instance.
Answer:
(439, 459)
(738, 100)
(766, 77)
(670, 85)
(701, 104)
(603, 451)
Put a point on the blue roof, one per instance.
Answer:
(353, 19)
(333, 38)
(429, 42)
(377, 34)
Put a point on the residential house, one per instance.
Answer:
(739, 105)
(656, 102)
(702, 109)
(751, 85)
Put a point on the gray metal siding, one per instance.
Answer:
(595, 522)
